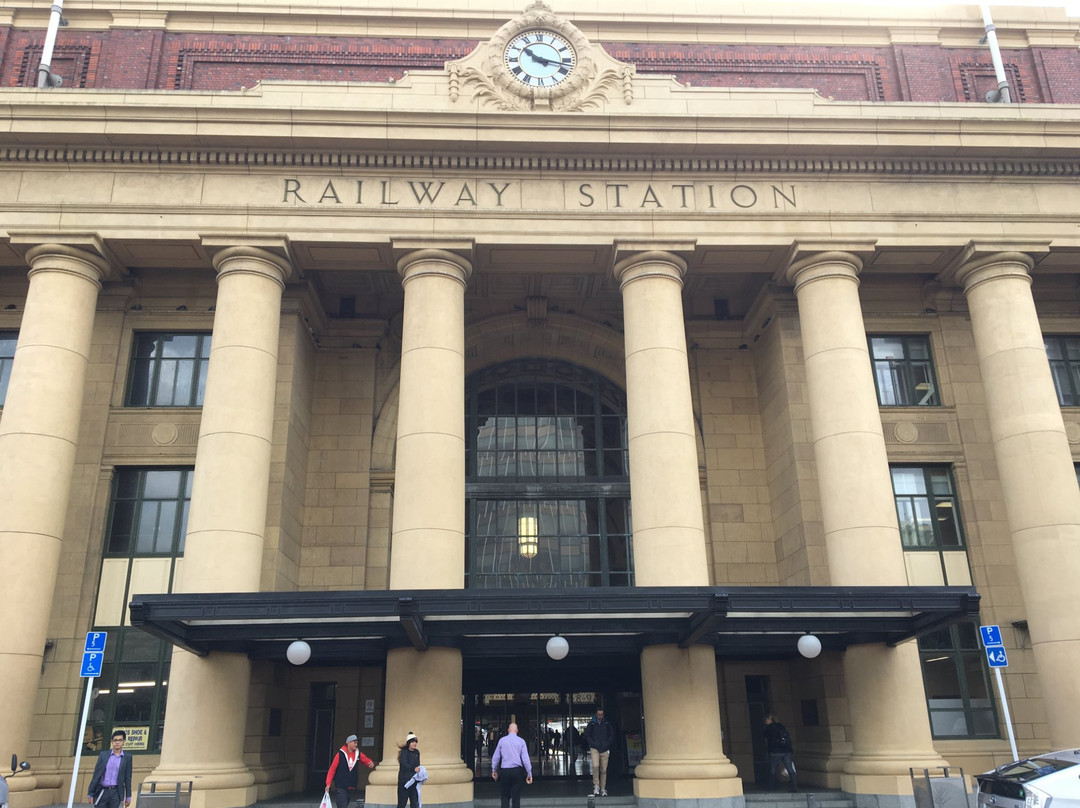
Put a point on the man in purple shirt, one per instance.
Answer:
(111, 782)
(511, 767)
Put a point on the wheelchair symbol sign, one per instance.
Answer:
(91, 664)
(996, 657)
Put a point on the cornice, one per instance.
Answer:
(179, 159)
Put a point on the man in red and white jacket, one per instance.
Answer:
(343, 773)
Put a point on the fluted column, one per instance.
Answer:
(38, 438)
(1034, 462)
(887, 703)
(427, 550)
(206, 716)
(685, 759)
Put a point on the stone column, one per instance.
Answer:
(1042, 501)
(887, 704)
(206, 716)
(685, 758)
(427, 545)
(39, 432)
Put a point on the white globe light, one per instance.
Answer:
(558, 648)
(809, 646)
(298, 653)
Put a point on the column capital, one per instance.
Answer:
(1016, 265)
(429, 261)
(822, 265)
(649, 263)
(72, 260)
(252, 261)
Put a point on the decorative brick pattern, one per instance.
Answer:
(75, 62)
(841, 73)
(229, 63)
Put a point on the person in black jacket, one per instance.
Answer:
(343, 774)
(111, 782)
(600, 736)
(408, 765)
(778, 745)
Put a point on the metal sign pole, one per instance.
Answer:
(1004, 709)
(79, 740)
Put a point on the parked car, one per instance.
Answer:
(1051, 779)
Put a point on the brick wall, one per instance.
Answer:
(154, 59)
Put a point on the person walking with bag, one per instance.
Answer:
(111, 782)
(781, 750)
(408, 768)
(343, 774)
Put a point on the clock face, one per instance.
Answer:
(540, 58)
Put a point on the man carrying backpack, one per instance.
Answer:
(778, 745)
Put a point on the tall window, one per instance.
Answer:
(7, 357)
(547, 478)
(927, 508)
(1064, 355)
(168, 370)
(957, 684)
(143, 542)
(904, 371)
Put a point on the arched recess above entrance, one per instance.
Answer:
(500, 339)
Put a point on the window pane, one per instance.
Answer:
(1064, 355)
(7, 359)
(907, 480)
(903, 371)
(168, 370)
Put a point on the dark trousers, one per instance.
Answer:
(408, 795)
(778, 760)
(511, 781)
(110, 797)
(343, 796)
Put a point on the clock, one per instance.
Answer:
(540, 58)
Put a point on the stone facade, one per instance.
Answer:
(711, 213)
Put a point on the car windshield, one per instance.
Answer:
(1024, 771)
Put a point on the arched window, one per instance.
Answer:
(547, 478)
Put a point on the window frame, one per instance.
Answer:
(964, 660)
(199, 367)
(7, 360)
(904, 369)
(935, 500)
(1064, 368)
(601, 480)
(103, 717)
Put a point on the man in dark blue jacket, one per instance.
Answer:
(600, 736)
(111, 782)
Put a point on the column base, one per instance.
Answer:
(449, 795)
(232, 787)
(705, 793)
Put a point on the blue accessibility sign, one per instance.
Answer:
(996, 656)
(991, 635)
(93, 654)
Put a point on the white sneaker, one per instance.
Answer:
(596, 791)
(603, 792)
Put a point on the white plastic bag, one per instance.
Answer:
(326, 801)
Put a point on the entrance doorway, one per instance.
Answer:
(552, 724)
